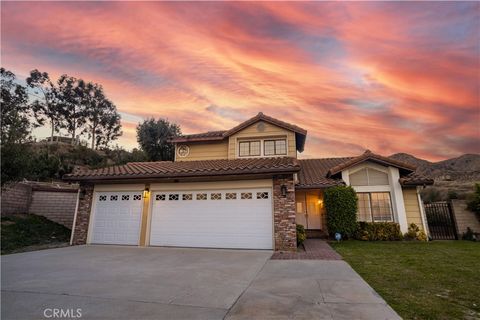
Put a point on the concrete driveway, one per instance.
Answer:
(111, 282)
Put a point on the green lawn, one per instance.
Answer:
(31, 232)
(434, 280)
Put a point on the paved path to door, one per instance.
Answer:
(111, 282)
(315, 249)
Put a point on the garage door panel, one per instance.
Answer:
(213, 218)
(117, 218)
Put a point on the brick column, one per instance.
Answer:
(284, 214)
(83, 214)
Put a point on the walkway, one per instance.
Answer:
(315, 249)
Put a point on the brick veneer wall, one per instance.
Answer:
(54, 205)
(83, 215)
(284, 214)
(464, 218)
(15, 198)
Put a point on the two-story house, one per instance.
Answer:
(239, 188)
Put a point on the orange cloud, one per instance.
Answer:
(386, 76)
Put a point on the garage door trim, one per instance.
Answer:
(212, 188)
(107, 189)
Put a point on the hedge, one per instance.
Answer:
(341, 206)
(379, 231)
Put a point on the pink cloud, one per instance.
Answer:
(389, 77)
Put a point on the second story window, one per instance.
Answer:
(275, 147)
(249, 148)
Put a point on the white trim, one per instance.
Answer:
(397, 198)
(262, 145)
(394, 187)
(92, 209)
(372, 188)
(422, 213)
(212, 185)
(75, 216)
(346, 176)
(91, 217)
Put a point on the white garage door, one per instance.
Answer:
(236, 218)
(117, 218)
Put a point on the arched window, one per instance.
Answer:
(368, 177)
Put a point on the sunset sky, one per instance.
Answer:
(390, 77)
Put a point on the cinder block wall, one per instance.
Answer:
(464, 217)
(54, 205)
(15, 198)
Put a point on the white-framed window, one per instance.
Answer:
(249, 148)
(374, 207)
(275, 147)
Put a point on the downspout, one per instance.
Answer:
(422, 214)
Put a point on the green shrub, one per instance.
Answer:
(301, 234)
(341, 206)
(379, 231)
(414, 233)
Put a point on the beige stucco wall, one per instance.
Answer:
(204, 151)
(412, 207)
(270, 131)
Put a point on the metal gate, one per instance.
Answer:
(441, 222)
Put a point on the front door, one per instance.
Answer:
(309, 209)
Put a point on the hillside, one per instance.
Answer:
(454, 178)
(463, 168)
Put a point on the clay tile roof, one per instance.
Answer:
(205, 136)
(220, 135)
(415, 179)
(370, 156)
(313, 173)
(173, 170)
(263, 117)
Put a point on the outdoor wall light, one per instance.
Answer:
(145, 192)
(283, 190)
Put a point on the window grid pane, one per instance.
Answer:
(280, 147)
(255, 148)
(364, 210)
(269, 147)
(244, 149)
(381, 206)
